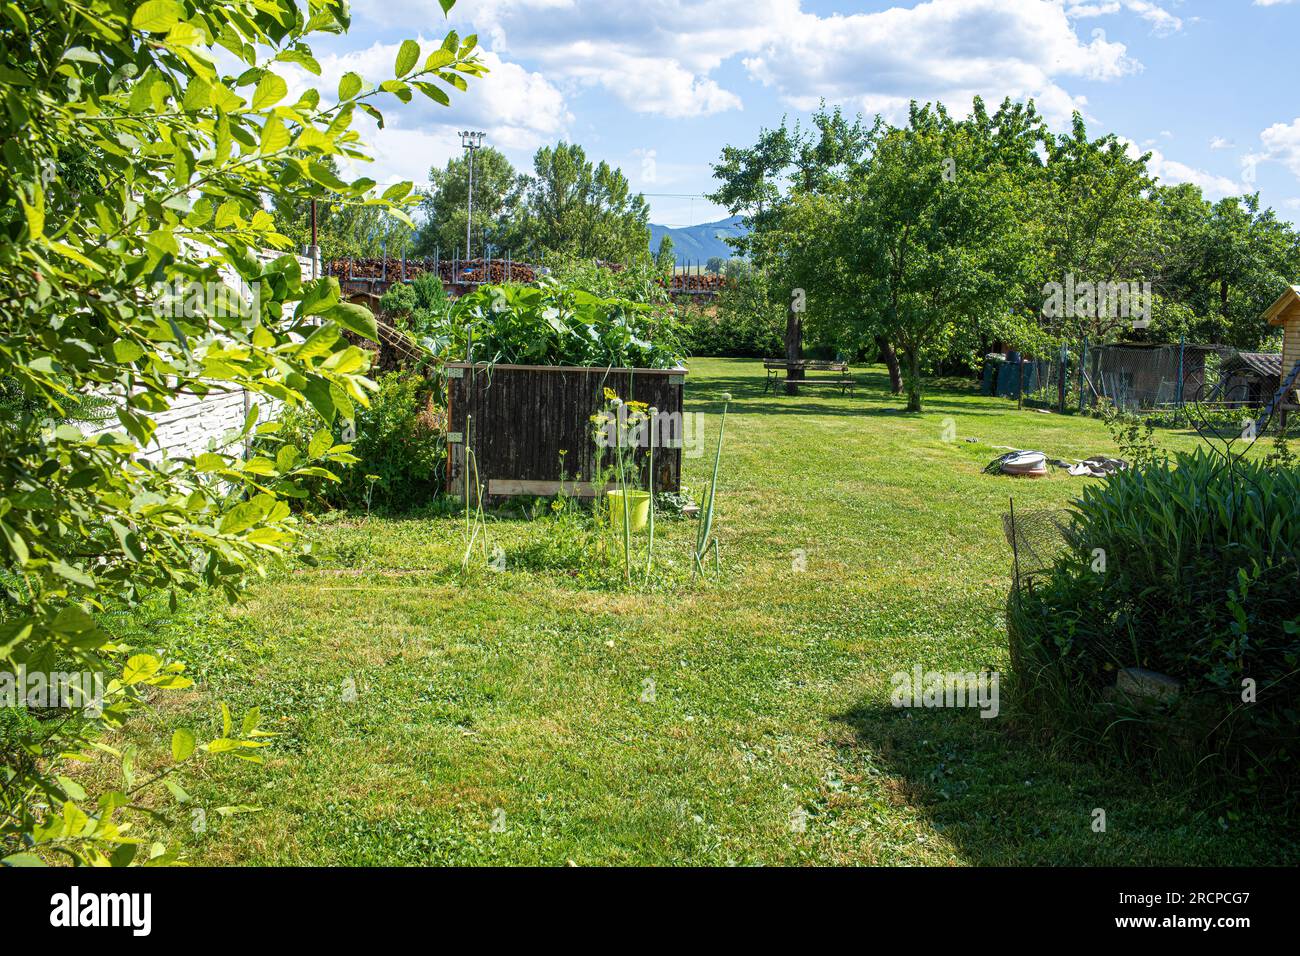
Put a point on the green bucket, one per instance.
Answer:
(638, 504)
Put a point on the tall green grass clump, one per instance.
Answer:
(1188, 568)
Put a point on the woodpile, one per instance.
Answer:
(698, 282)
(458, 272)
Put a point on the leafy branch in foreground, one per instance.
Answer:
(136, 171)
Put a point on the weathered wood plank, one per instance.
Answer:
(531, 424)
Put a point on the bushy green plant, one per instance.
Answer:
(398, 446)
(142, 141)
(415, 306)
(1188, 568)
(550, 324)
(743, 321)
(639, 282)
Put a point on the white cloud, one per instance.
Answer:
(1281, 143)
(654, 56)
(946, 50)
(1272, 3)
(1171, 172)
(1218, 142)
(659, 56)
(518, 109)
(1162, 21)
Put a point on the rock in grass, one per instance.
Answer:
(1139, 684)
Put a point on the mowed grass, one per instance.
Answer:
(533, 717)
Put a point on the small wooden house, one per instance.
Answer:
(1286, 313)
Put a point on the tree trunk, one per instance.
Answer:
(793, 347)
(913, 380)
(890, 358)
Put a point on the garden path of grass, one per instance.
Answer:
(508, 719)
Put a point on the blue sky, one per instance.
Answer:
(658, 87)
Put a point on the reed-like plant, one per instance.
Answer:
(704, 536)
(475, 521)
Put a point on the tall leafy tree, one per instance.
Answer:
(136, 167)
(574, 207)
(665, 258)
(941, 249)
(497, 195)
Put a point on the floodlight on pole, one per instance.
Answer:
(472, 141)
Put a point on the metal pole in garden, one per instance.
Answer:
(1182, 346)
(1083, 361)
(1060, 379)
(472, 141)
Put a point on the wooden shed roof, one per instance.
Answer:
(1287, 306)
(1264, 364)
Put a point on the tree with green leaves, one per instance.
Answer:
(665, 258)
(133, 193)
(574, 207)
(939, 246)
(497, 194)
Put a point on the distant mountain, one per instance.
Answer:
(699, 243)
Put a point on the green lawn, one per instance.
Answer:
(517, 697)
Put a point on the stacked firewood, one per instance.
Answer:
(460, 272)
(698, 282)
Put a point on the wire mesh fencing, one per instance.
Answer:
(1130, 377)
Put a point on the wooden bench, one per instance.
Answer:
(776, 367)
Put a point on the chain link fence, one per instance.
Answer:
(1135, 378)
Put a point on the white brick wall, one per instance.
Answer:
(194, 425)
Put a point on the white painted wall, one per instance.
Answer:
(194, 425)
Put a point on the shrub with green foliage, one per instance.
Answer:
(552, 324)
(746, 320)
(1189, 568)
(398, 447)
(141, 142)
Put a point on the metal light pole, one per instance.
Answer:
(472, 141)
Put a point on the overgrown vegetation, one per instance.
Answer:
(1188, 568)
(131, 203)
(397, 446)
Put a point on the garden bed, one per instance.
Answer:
(530, 430)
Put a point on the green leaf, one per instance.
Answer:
(270, 90)
(349, 86)
(354, 318)
(321, 442)
(73, 789)
(446, 5)
(140, 667)
(246, 514)
(225, 719)
(157, 16)
(23, 859)
(438, 59)
(407, 56)
(183, 744)
(275, 136)
(35, 211)
(75, 575)
(249, 723)
(16, 544)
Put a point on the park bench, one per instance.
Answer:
(845, 381)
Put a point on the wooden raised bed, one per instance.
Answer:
(524, 416)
